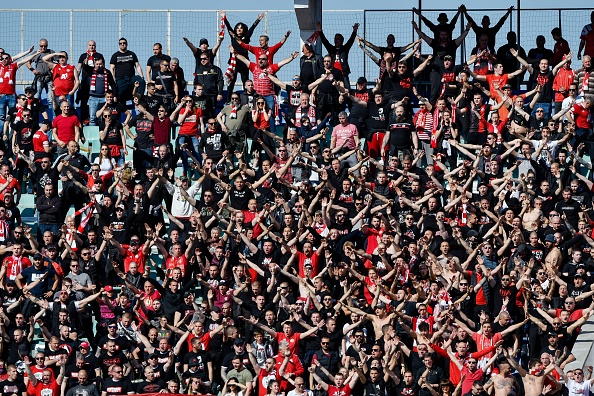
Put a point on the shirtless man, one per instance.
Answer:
(534, 379)
(504, 383)
(531, 218)
(379, 319)
(553, 259)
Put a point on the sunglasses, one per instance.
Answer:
(123, 43)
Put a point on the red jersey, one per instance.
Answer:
(63, 77)
(564, 78)
(180, 262)
(293, 340)
(262, 83)
(582, 116)
(162, 131)
(293, 366)
(7, 78)
(336, 391)
(191, 123)
(139, 258)
(66, 127)
(15, 265)
(268, 51)
(484, 342)
(264, 377)
(312, 260)
(40, 142)
(51, 389)
(500, 80)
(204, 339)
(14, 185)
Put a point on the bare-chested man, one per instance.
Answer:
(503, 383)
(379, 319)
(531, 217)
(534, 378)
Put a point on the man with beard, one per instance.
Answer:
(401, 138)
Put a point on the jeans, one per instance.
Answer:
(270, 101)
(192, 145)
(42, 228)
(546, 106)
(94, 103)
(6, 102)
(40, 85)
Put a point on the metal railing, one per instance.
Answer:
(143, 28)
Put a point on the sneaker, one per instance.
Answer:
(86, 122)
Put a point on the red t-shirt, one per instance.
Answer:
(51, 389)
(162, 131)
(180, 262)
(264, 377)
(501, 80)
(64, 81)
(40, 142)
(65, 127)
(582, 116)
(191, 123)
(139, 258)
(7, 78)
(303, 259)
(336, 391)
(293, 340)
(204, 338)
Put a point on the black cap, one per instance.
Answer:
(51, 246)
(448, 57)
(203, 41)
(10, 282)
(361, 80)
(472, 233)
(578, 275)
(187, 294)
(306, 181)
(37, 256)
(221, 167)
(239, 341)
(216, 309)
(222, 282)
(381, 305)
(29, 89)
(46, 122)
(443, 16)
(153, 355)
(506, 86)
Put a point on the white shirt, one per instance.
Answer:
(578, 388)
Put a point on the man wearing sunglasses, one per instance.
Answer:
(43, 74)
(122, 66)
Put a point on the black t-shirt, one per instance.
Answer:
(326, 87)
(24, 133)
(546, 80)
(152, 104)
(167, 80)
(364, 96)
(106, 361)
(144, 131)
(10, 388)
(73, 370)
(151, 387)
(401, 135)
(121, 387)
(440, 49)
(124, 62)
(239, 198)
(401, 85)
(295, 96)
(379, 116)
(154, 62)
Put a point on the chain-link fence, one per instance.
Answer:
(143, 28)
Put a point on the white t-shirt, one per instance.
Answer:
(577, 388)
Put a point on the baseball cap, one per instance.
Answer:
(381, 305)
(37, 256)
(51, 246)
(121, 207)
(239, 341)
(448, 57)
(203, 41)
(221, 167)
(361, 80)
(108, 288)
(550, 238)
(85, 345)
(507, 86)
(29, 89)
(472, 233)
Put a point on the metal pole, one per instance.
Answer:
(22, 41)
(71, 34)
(365, 37)
(560, 21)
(266, 22)
(120, 23)
(217, 37)
(518, 25)
(168, 32)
